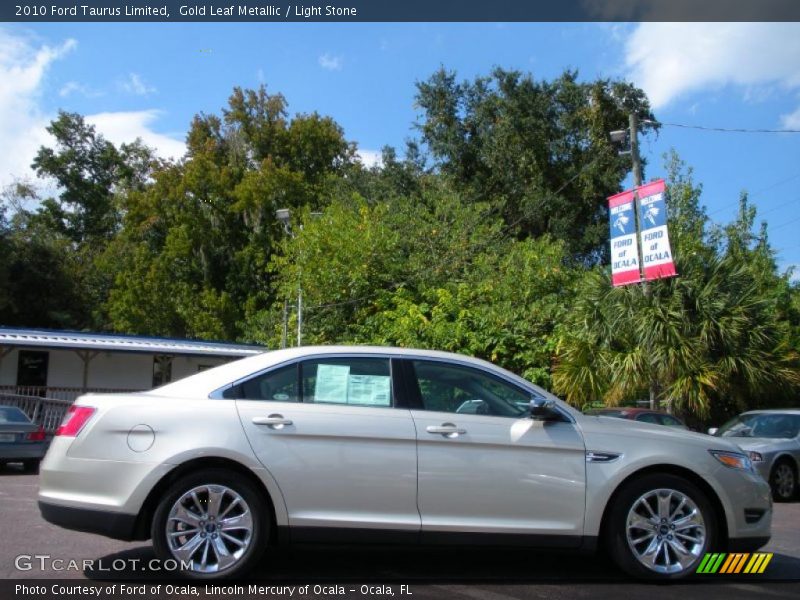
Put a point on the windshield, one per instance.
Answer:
(761, 426)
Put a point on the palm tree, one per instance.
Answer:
(712, 332)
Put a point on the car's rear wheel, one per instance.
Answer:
(660, 527)
(213, 523)
(783, 481)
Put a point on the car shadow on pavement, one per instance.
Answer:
(15, 468)
(428, 565)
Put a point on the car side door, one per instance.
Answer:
(487, 467)
(333, 434)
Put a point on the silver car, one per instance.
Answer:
(358, 444)
(772, 440)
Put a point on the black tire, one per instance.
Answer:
(31, 466)
(783, 489)
(258, 511)
(616, 528)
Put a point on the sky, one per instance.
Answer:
(149, 80)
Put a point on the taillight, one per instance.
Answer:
(74, 420)
(36, 436)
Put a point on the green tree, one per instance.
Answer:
(192, 257)
(88, 170)
(38, 271)
(432, 272)
(539, 149)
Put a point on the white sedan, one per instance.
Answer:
(359, 444)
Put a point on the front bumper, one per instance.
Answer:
(762, 467)
(119, 526)
(748, 503)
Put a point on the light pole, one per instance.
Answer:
(284, 217)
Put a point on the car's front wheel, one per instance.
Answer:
(660, 527)
(213, 523)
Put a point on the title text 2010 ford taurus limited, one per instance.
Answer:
(356, 444)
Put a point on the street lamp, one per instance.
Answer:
(620, 137)
(284, 216)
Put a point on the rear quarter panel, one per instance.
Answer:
(134, 440)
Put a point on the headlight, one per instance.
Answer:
(734, 460)
(756, 457)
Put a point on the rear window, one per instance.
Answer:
(11, 414)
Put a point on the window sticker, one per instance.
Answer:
(369, 390)
(331, 384)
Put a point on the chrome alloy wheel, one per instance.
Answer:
(210, 528)
(783, 480)
(665, 530)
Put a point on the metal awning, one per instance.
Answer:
(79, 340)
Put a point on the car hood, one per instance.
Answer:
(626, 427)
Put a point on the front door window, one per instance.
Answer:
(452, 388)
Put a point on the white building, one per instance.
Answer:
(64, 364)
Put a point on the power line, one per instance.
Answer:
(786, 223)
(719, 129)
(750, 196)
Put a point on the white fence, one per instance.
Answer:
(47, 412)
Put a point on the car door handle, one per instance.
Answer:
(446, 429)
(273, 421)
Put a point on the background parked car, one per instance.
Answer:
(771, 438)
(20, 440)
(644, 415)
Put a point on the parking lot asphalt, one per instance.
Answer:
(465, 573)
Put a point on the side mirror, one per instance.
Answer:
(712, 430)
(543, 409)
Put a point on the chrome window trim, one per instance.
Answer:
(517, 382)
(217, 393)
(522, 384)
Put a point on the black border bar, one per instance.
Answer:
(353, 11)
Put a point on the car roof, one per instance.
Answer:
(774, 411)
(211, 379)
(628, 410)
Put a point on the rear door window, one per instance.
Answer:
(279, 385)
(348, 381)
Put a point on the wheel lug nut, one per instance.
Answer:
(669, 537)
(672, 526)
(659, 537)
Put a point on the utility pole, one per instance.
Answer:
(299, 316)
(636, 162)
(285, 322)
(635, 159)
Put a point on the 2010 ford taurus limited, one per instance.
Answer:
(357, 444)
